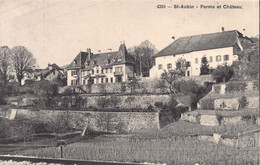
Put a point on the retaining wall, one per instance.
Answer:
(124, 122)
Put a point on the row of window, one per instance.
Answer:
(103, 80)
(218, 58)
(169, 65)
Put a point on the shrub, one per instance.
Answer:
(222, 73)
(243, 102)
(207, 104)
(187, 87)
(197, 117)
(173, 102)
(158, 104)
(123, 87)
(219, 117)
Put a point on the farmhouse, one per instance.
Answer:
(99, 68)
(50, 73)
(219, 48)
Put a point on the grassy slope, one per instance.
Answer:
(183, 128)
(169, 144)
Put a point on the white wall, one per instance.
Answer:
(195, 67)
(69, 77)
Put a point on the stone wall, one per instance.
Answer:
(235, 86)
(128, 101)
(210, 120)
(145, 85)
(124, 122)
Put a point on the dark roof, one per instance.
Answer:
(79, 61)
(201, 42)
(105, 60)
(54, 66)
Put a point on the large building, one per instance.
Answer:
(99, 68)
(219, 48)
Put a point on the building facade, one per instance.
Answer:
(99, 68)
(219, 48)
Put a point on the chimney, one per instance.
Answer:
(173, 37)
(244, 32)
(222, 29)
(89, 53)
(49, 66)
(110, 50)
(99, 51)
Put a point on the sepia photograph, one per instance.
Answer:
(129, 82)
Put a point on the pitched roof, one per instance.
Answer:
(201, 42)
(78, 61)
(54, 66)
(117, 57)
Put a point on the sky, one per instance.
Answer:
(55, 31)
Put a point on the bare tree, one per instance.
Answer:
(143, 56)
(5, 64)
(22, 59)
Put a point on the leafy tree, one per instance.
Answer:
(143, 54)
(5, 64)
(204, 68)
(171, 77)
(22, 59)
(222, 73)
(181, 66)
(247, 67)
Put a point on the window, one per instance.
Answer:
(54, 73)
(210, 59)
(97, 81)
(119, 69)
(92, 71)
(84, 82)
(102, 80)
(111, 79)
(110, 70)
(188, 64)
(74, 82)
(97, 71)
(160, 66)
(106, 70)
(226, 57)
(102, 71)
(218, 58)
(74, 72)
(169, 66)
(196, 60)
(106, 80)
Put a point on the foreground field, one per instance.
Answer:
(174, 150)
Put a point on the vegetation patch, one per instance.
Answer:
(207, 104)
(234, 86)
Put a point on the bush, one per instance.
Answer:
(158, 104)
(222, 73)
(243, 102)
(219, 117)
(188, 87)
(207, 104)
